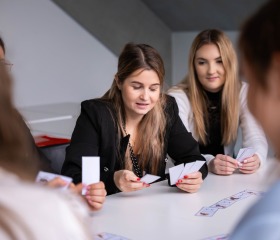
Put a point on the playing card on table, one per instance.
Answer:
(224, 203)
(207, 211)
(239, 196)
(253, 192)
(43, 177)
(245, 153)
(218, 237)
(148, 178)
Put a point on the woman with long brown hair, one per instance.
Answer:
(212, 105)
(133, 127)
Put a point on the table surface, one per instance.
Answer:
(163, 212)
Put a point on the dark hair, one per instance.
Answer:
(2, 45)
(260, 38)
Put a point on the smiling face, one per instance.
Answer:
(140, 92)
(209, 67)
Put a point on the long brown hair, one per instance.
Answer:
(152, 126)
(231, 88)
(15, 146)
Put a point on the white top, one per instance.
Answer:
(252, 133)
(36, 212)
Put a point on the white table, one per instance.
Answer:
(162, 212)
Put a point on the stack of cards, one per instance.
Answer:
(226, 202)
(179, 171)
(44, 177)
(245, 153)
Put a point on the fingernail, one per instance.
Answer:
(179, 181)
(186, 176)
(138, 179)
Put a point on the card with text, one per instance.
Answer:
(90, 171)
(44, 177)
(207, 211)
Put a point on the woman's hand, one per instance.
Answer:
(223, 165)
(127, 181)
(191, 182)
(250, 165)
(96, 195)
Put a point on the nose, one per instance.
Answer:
(144, 94)
(211, 68)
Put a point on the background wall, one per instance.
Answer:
(55, 60)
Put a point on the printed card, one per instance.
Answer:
(149, 178)
(207, 211)
(224, 203)
(90, 171)
(218, 237)
(43, 177)
(245, 153)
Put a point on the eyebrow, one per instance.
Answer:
(154, 84)
(201, 58)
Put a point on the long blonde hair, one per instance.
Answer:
(152, 126)
(231, 88)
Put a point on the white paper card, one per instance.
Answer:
(175, 172)
(245, 153)
(186, 169)
(90, 171)
(148, 178)
(43, 177)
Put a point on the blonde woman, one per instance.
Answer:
(133, 127)
(212, 105)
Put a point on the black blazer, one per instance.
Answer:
(95, 134)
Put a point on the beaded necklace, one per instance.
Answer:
(136, 168)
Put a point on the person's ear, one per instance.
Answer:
(118, 82)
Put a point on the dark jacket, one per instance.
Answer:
(95, 134)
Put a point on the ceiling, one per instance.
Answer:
(197, 15)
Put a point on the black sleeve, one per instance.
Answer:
(86, 140)
(182, 147)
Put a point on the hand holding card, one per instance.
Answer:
(245, 153)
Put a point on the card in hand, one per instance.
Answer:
(149, 178)
(44, 177)
(207, 211)
(245, 153)
(179, 171)
(90, 171)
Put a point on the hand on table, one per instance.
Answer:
(223, 165)
(191, 182)
(127, 181)
(250, 165)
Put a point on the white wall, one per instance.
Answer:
(181, 43)
(55, 60)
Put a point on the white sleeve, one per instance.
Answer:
(252, 133)
(186, 113)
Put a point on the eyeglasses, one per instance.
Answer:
(7, 64)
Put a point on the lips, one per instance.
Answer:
(142, 105)
(212, 78)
